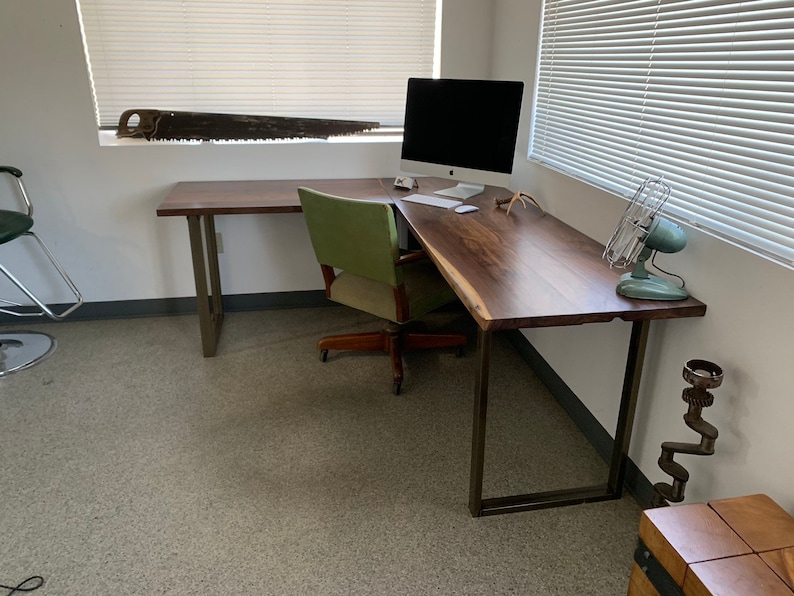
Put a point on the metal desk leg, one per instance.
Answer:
(478, 426)
(628, 404)
(209, 302)
(558, 498)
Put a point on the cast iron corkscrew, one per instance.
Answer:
(702, 375)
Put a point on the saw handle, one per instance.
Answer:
(146, 127)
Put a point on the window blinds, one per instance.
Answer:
(697, 90)
(344, 59)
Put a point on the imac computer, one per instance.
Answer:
(461, 129)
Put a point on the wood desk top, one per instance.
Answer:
(259, 196)
(525, 270)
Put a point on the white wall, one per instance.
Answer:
(96, 208)
(747, 329)
(96, 205)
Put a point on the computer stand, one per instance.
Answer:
(462, 191)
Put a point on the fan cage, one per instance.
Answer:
(629, 236)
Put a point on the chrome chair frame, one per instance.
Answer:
(22, 349)
(43, 308)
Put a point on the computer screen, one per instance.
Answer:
(461, 129)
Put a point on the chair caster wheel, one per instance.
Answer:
(323, 355)
(396, 388)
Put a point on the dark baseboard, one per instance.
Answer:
(640, 487)
(159, 307)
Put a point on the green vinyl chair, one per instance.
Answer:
(356, 244)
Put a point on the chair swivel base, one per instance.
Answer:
(22, 349)
(392, 341)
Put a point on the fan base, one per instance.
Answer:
(650, 288)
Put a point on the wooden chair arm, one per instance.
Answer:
(411, 257)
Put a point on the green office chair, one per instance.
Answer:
(355, 242)
(22, 349)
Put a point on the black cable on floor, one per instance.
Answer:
(36, 582)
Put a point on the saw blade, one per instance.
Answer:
(203, 126)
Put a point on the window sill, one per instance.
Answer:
(107, 138)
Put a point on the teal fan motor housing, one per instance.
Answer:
(640, 232)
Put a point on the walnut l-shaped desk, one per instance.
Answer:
(525, 270)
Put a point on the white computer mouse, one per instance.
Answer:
(466, 208)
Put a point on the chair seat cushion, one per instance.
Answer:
(424, 285)
(13, 224)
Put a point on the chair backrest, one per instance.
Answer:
(353, 235)
(17, 174)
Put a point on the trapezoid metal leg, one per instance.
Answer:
(628, 405)
(478, 424)
(209, 302)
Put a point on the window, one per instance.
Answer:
(339, 59)
(697, 90)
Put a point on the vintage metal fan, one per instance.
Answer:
(640, 232)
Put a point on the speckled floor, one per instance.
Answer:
(131, 465)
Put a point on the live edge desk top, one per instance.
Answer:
(525, 270)
(242, 197)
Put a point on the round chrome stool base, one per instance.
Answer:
(22, 349)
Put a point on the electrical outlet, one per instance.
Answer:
(219, 242)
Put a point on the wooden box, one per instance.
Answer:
(731, 547)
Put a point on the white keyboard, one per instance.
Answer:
(433, 201)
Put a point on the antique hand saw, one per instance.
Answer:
(170, 125)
